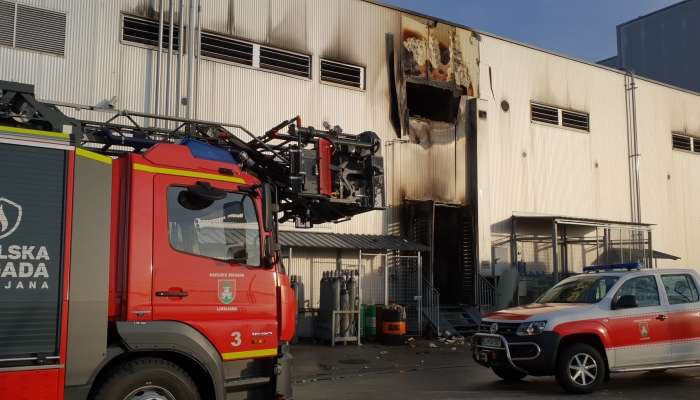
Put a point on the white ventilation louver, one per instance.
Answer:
(7, 23)
(560, 117)
(284, 61)
(546, 114)
(227, 49)
(683, 142)
(574, 120)
(40, 30)
(145, 31)
(342, 74)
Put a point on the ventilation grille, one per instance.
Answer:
(7, 23)
(40, 30)
(557, 116)
(683, 142)
(213, 46)
(285, 62)
(342, 74)
(227, 49)
(548, 115)
(145, 31)
(574, 120)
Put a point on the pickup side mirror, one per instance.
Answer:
(626, 301)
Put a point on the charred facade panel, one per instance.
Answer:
(437, 73)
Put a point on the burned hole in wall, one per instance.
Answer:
(430, 102)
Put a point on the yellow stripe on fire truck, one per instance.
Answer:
(190, 174)
(239, 355)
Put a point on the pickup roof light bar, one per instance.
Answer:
(635, 266)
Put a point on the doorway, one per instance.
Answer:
(453, 265)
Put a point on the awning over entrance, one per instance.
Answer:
(347, 241)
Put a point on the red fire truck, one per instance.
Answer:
(139, 256)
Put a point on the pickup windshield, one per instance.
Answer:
(579, 289)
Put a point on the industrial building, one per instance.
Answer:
(661, 45)
(506, 166)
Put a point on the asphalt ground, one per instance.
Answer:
(443, 371)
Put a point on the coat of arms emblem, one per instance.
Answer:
(227, 291)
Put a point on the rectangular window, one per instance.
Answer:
(342, 74)
(285, 62)
(145, 31)
(680, 289)
(225, 229)
(32, 28)
(560, 117)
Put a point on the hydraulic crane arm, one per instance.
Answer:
(320, 175)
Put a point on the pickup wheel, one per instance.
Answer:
(508, 373)
(580, 369)
(148, 379)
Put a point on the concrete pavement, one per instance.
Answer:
(447, 372)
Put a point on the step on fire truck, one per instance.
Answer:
(138, 255)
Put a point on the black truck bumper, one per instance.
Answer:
(533, 355)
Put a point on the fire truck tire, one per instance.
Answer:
(580, 368)
(148, 378)
(508, 373)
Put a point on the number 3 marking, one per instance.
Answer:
(236, 339)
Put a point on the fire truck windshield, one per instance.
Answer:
(225, 229)
(579, 289)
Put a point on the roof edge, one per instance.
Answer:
(660, 10)
(533, 47)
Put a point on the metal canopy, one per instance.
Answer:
(347, 241)
(614, 241)
(568, 220)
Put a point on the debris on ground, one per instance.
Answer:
(432, 345)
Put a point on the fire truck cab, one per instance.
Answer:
(165, 259)
(614, 318)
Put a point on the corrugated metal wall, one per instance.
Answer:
(522, 166)
(531, 167)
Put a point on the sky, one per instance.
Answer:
(584, 29)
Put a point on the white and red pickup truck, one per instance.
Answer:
(597, 323)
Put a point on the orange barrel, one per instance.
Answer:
(393, 325)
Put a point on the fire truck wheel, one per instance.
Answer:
(148, 379)
(580, 368)
(508, 373)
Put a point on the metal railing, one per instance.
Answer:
(431, 305)
(487, 294)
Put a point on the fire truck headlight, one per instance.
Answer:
(531, 328)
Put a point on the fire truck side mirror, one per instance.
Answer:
(268, 206)
(271, 252)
